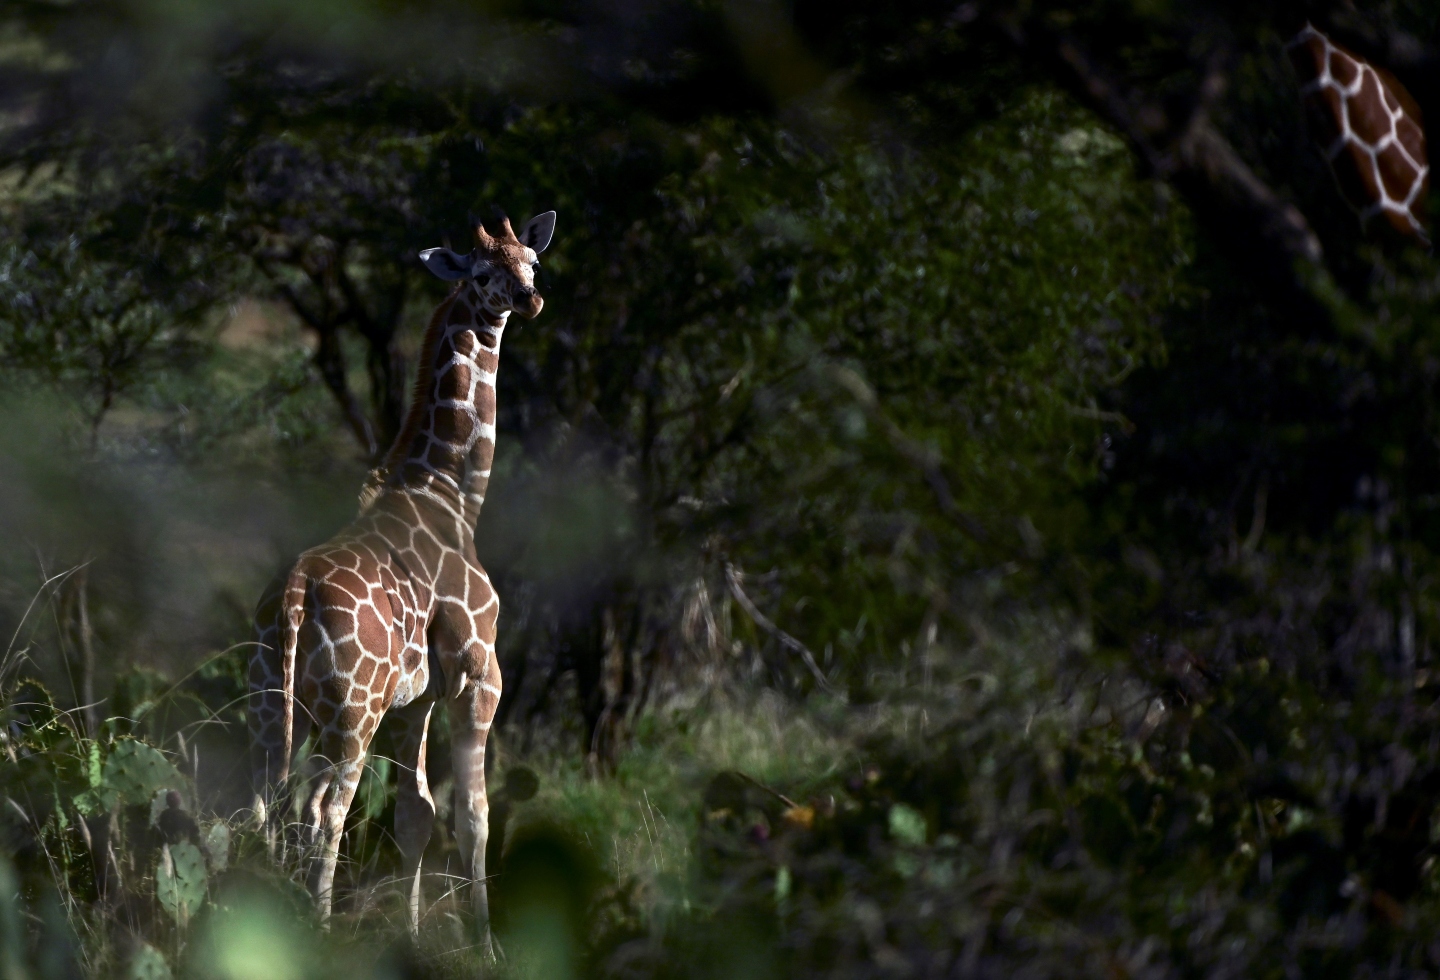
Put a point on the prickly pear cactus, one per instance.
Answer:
(148, 963)
(180, 880)
(133, 773)
(216, 843)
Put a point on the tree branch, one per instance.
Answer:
(330, 359)
(734, 576)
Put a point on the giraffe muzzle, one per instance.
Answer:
(528, 303)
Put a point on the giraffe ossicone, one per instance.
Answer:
(395, 614)
(1373, 133)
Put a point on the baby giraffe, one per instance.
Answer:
(394, 613)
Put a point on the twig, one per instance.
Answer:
(773, 792)
(734, 576)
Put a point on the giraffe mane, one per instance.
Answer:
(378, 477)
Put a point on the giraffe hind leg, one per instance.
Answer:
(265, 713)
(343, 755)
(414, 806)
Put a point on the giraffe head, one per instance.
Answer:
(501, 268)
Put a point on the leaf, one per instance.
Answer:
(148, 963)
(800, 816)
(907, 826)
(180, 880)
(216, 843)
(134, 772)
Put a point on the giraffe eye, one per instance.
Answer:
(482, 280)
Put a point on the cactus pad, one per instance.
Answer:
(180, 880)
(134, 772)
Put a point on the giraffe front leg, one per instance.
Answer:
(414, 807)
(471, 714)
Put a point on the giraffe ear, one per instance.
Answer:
(538, 231)
(446, 264)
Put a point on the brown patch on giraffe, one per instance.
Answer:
(371, 632)
(448, 425)
(1395, 173)
(442, 457)
(391, 527)
(485, 400)
(350, 582)
(309, 634)
(460, 314)
(1412, 137)
(365, 671)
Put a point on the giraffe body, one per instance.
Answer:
(1371, 130)
(395, 614)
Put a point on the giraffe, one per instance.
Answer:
(1375, 136)
(394, 614)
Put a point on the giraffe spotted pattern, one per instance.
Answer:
(1373, 134)
(395, 614)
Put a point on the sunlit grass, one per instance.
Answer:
(641, 820)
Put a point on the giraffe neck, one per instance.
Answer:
(444, 452)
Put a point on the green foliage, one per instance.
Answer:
(97, 329)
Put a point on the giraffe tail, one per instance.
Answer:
(292, 610)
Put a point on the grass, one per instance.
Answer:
(642, 826)
(69, 788)
(1016, 806)
(642, 820)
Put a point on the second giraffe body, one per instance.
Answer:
(395, 614)
(1371, 129)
